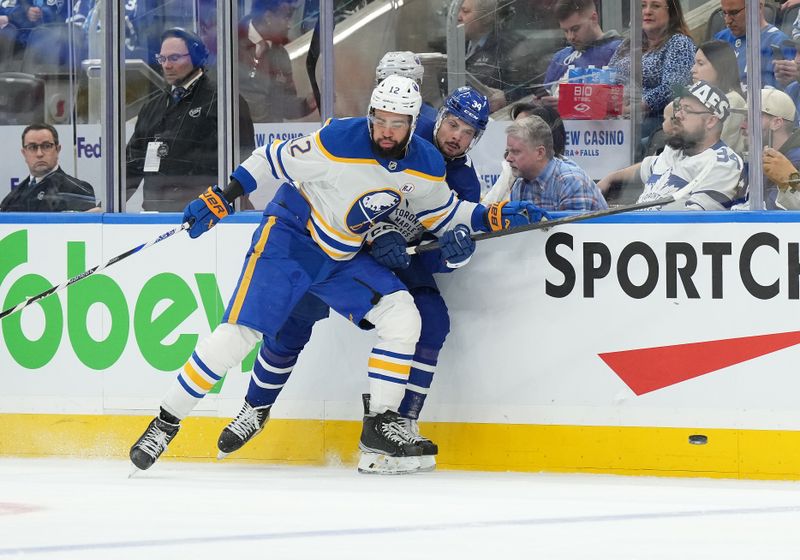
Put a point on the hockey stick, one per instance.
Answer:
(680, 194)
(98, 268)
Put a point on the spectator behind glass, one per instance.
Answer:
(667, 59)
(549, 182)
(47, 188)
(487, 51)
(7, 7)
(779, 137)
(781, 150)
(173, 149)
(694, 151)
(735, 16)
(788, 72)
(265, 71)
(88, 14)
(30, 14)
(502, 186)
(588, 45)
(715, 63)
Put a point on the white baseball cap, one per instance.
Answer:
(776, 103)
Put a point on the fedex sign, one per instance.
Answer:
(87, 149)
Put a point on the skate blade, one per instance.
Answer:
(221, 455)
(427, 463)
(376, 463)
(134, 471)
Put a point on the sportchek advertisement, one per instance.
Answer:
(658, 319)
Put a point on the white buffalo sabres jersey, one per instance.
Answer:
(349, 189)
(718, 167)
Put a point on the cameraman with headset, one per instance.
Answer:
(173, 149)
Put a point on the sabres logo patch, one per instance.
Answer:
(371, 208)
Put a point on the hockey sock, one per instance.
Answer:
(419, 381)
(388, 375)
(270, 373)
(397, 324)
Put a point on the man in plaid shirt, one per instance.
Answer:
(552, 183)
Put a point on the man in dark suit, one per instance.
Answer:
(47, 188)
(265, 71)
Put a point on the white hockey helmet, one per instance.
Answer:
(399, 63)
(399, 95)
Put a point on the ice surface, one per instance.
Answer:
(76, 509)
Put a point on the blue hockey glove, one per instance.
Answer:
(505, 215)
(204, 212)
(388, 246)
(457, 246)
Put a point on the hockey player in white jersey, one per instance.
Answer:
(408, 64)
(342, 181)
(694, 151)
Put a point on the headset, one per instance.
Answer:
(198, 51)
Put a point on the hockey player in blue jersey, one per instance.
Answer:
(342, 181)
(458, 126)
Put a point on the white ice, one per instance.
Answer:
(76, 509)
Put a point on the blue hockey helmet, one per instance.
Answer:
(469, 106)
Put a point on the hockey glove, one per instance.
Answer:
(505, 215)
(778, 168)
(204, 212)
(388, 246)
(457, 246)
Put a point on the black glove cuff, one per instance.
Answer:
(233, 191)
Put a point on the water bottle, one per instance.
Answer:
(609, 75)
(592, 75)
(574, 75)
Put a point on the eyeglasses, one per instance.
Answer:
(678, 108)
(173, 58)
(383, 123)
(731, 14)
(44, 146)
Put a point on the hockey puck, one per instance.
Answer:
(698, 439)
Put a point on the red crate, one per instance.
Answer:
(590, 101)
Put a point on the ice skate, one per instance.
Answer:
(247, 424)
(153, 442)
(386, 446)
(429, 449)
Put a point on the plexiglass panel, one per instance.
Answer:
(57, 165)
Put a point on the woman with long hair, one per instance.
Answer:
(667, 58)
(715, 63)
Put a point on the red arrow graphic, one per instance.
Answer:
(649, 369)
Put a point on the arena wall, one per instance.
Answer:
(656, 343)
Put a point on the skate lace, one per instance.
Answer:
(412, 428)
(155, 441)
(246, 422)
(396, 432)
